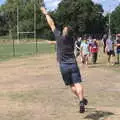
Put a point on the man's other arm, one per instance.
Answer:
(51, 42)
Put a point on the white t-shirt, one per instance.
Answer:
(109, 45)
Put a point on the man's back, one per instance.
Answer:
(109, 44)
(65, 47)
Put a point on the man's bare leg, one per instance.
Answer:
(77, 89)
(74, 89)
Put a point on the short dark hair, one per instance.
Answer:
(70, 31)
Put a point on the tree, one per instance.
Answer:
(115, 20)
(26, 15)
(83, 15)
(3, 24)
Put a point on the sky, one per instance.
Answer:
(2, 1)
(108, 5)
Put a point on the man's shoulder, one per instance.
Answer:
(57, 32)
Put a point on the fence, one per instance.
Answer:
(11, 48)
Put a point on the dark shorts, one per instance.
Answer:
(111, 52)
(118, 51)
(70, 73)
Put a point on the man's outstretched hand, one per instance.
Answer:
(43, 10)
(48, 17)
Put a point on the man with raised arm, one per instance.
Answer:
(66, 59)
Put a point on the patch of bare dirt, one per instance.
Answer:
(32, 89)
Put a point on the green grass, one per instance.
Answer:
(24, 49)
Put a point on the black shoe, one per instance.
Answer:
(116, 62)
(85, 101)
(82, 107)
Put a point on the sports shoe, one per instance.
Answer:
(82, 107)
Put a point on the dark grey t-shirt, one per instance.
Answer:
(65, 48)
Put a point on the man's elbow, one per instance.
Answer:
(51, 42)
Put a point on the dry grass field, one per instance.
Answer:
(31, 88)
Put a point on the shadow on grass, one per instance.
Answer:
(98, 115)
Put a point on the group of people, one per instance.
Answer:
(88, 48)
(85, 48)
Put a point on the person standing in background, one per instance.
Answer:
(94, 50)
(104, 42)
(85, 51)
(118, 48)
(110, 50)
(77, 47)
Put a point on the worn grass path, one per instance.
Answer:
(32, 89)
